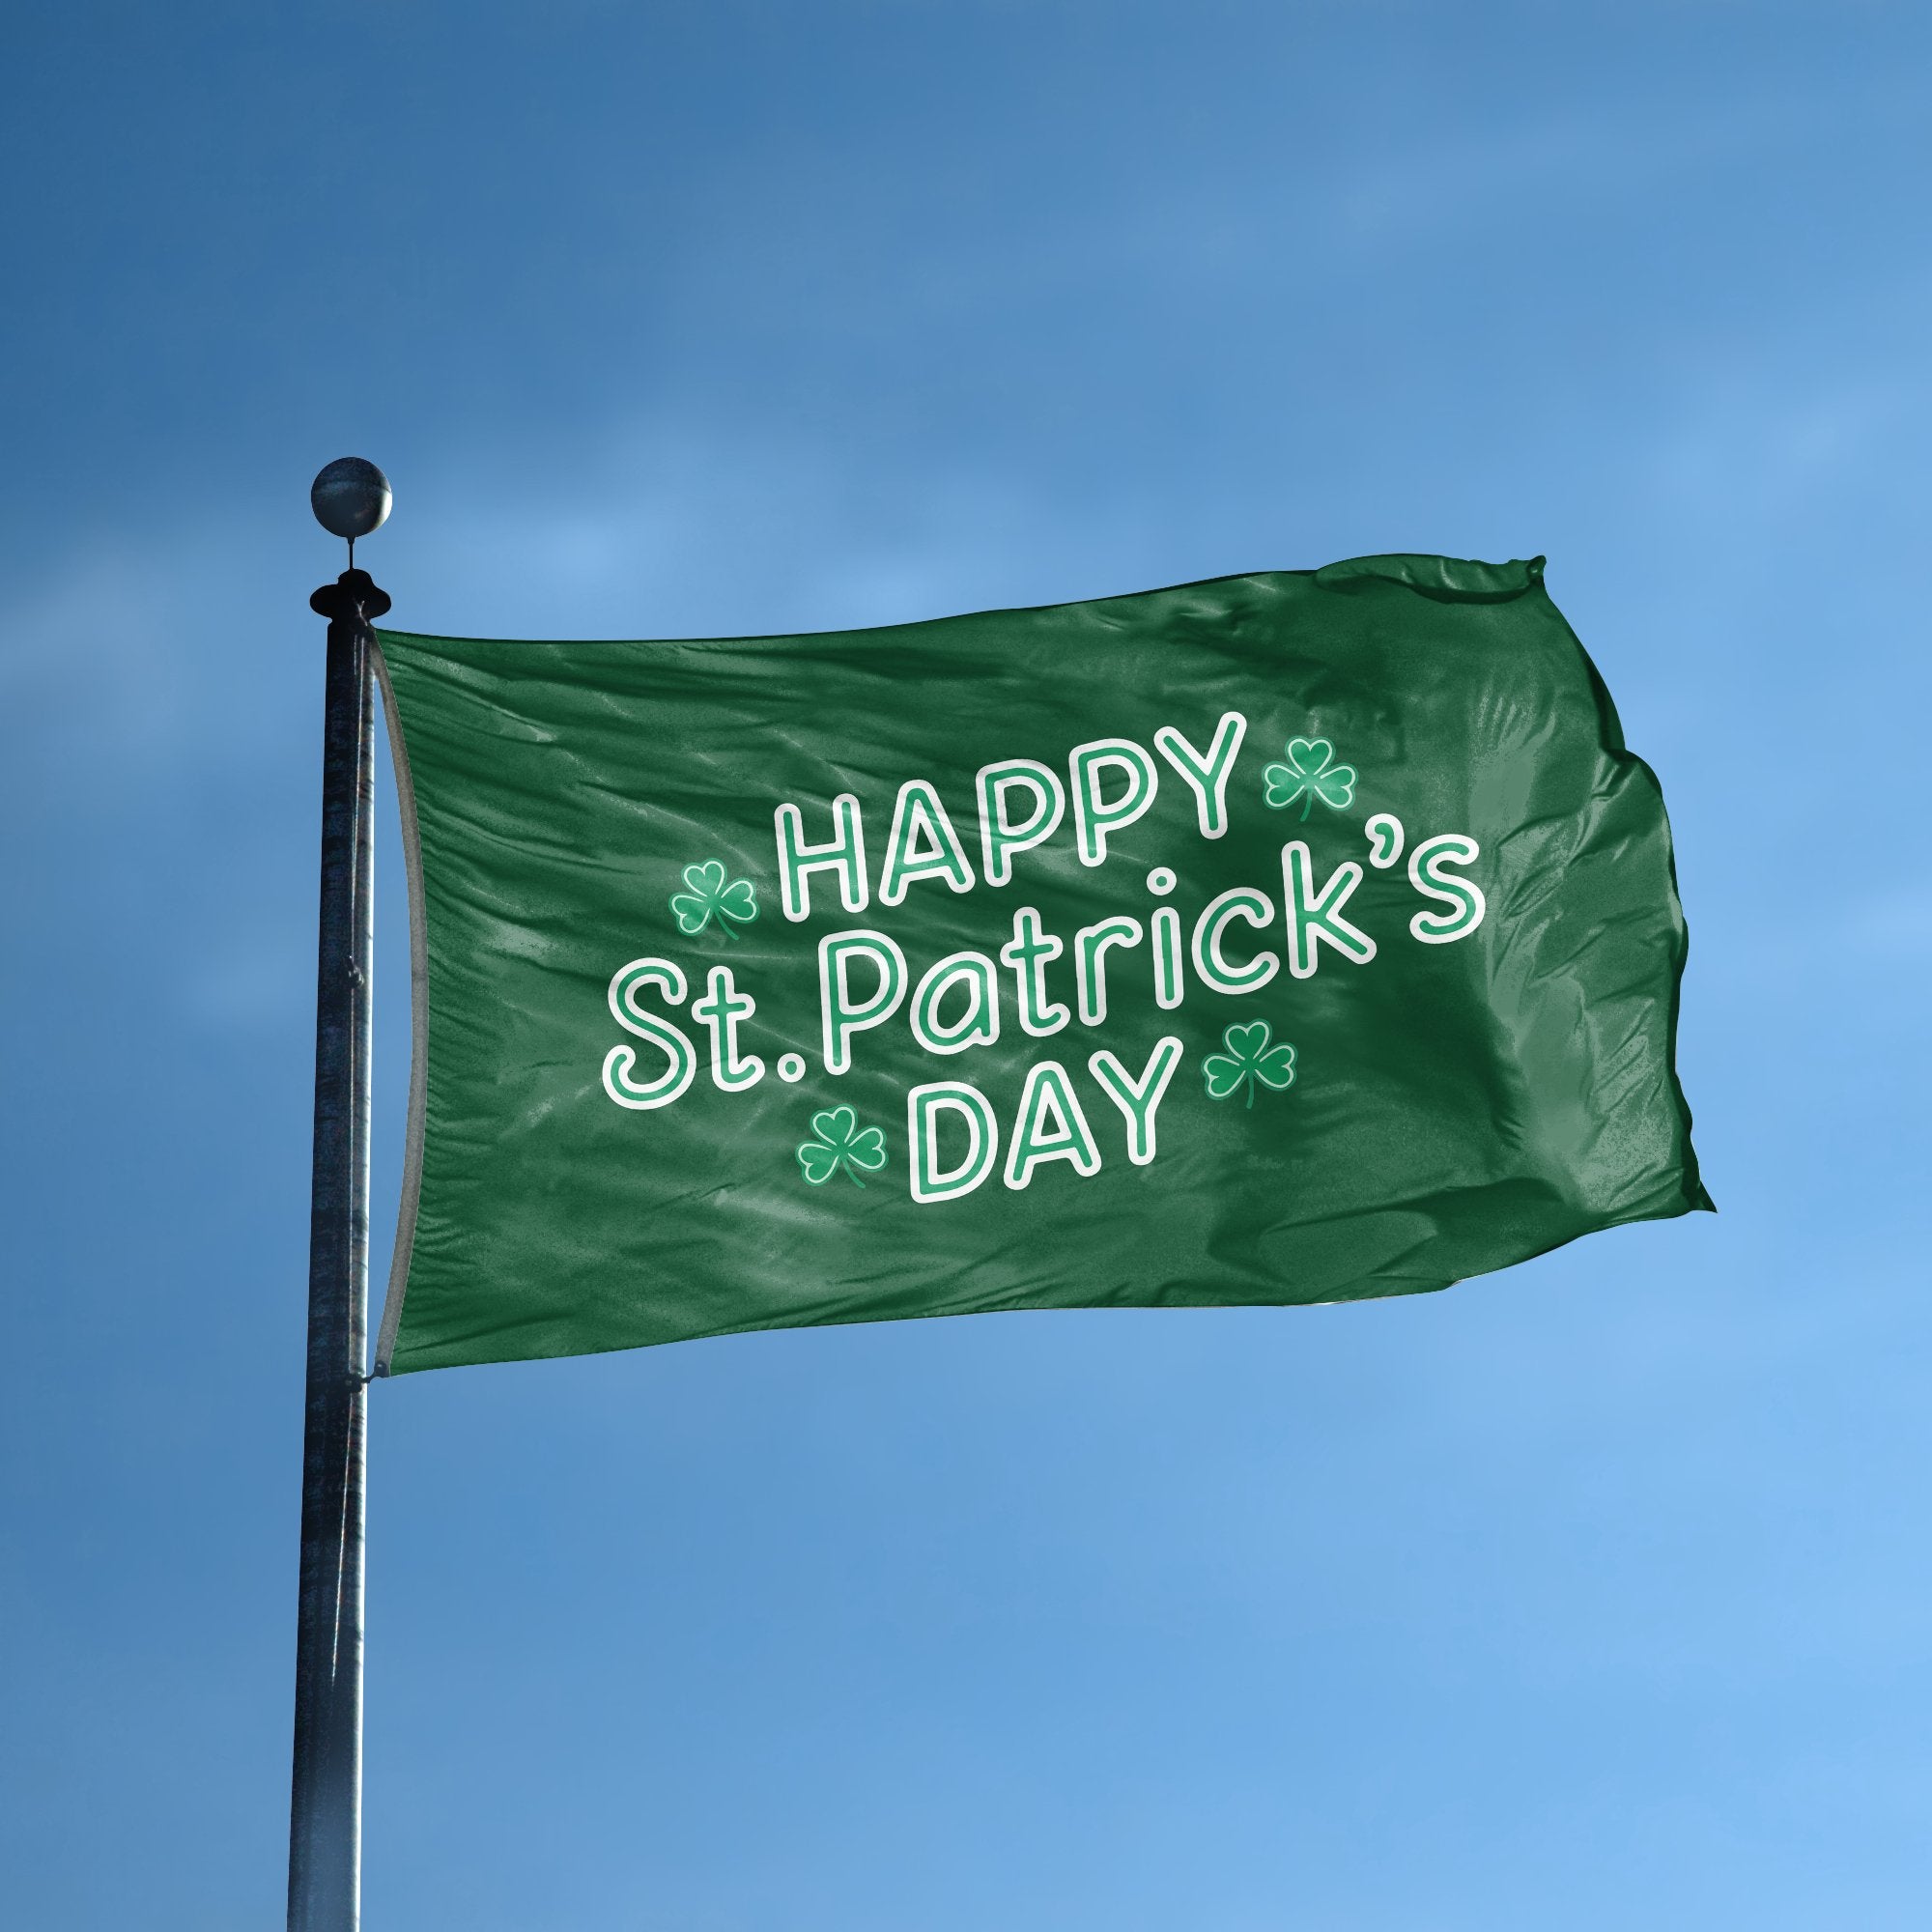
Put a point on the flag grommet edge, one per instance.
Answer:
(412, 1153)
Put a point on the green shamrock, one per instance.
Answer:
(708, 894)
(840, 1143)
(1252, 1059)
(1308, 770)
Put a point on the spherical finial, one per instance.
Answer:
(349, 497)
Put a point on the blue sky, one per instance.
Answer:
(1591, 1595)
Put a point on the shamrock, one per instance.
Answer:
(708, 894)
(1308, 770)
(1252, 1059)
(840, 1143)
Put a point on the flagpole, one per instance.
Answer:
(351, 499)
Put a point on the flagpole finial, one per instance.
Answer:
(349, 497)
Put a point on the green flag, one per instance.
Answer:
(1296, 937)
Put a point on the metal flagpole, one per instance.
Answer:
(351, 497)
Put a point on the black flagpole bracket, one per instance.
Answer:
(354, 598)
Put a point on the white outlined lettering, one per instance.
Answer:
(1206, 772)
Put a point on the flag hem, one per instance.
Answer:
(412, 1147)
